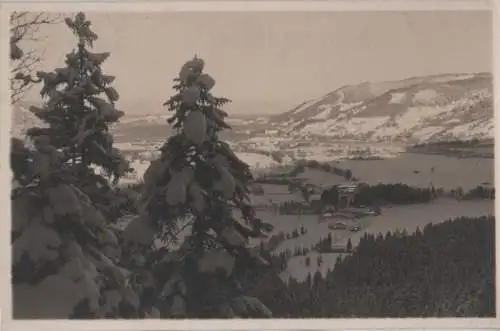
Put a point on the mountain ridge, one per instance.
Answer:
(436, 107)
(412, 110)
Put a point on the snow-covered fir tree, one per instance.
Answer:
(64, 252)
(198, 182)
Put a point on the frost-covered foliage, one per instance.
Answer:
(77, 115)
(64, 252)
(197, 182)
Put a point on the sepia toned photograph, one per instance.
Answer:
(252, 165)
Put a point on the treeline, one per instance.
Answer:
(313, 164)
(456, 143)
(480, 192)
(300, 167)
(457, 148)
(382, 194)
(400, 194)
(375, 196)
(393, 194)
(443, 270)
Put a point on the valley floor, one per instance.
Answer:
(393, 218)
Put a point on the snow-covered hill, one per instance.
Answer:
(451, 106)
(417, 109)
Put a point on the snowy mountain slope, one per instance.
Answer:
(457, 106)
(417, 109)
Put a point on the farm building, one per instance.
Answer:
(346, 194)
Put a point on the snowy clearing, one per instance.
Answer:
(365, 124)
(254, 160)
(397, 97)
(425, 96)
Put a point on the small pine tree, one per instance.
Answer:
(338, 261)
(329, 240)
(64, 253)
(319, 260)
(317, 279)
(349, 245)
(348, 174)
(199, 179)
(309, 281)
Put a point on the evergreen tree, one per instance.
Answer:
(78, 118)
(306, 194)
(329, 240)
(308, 281)
(317, 279)
(319, 260)
(348, 174)
(349, 245)
(199, 180)
(338, 261)
(64, 253)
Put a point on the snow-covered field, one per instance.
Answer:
(397, 97)
(425, 96)
(257, 162)
(397, 217)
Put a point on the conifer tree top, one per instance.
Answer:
(78, 117)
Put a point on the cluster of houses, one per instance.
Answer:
(272, 200)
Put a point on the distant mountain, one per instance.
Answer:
(413, 110)
(129, 128)
(417, 109)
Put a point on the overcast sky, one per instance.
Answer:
(270, 62)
